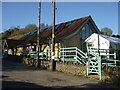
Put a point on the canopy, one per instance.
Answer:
(104, 41)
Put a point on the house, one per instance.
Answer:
(10, 45)
(68, 34)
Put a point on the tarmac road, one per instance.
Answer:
(17, 75)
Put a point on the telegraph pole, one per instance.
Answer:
(53, 36)
(38, 33)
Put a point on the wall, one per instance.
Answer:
(74, 41)
(47, 47)
(9, 51)
(108, 74)
(66, 67)
(111, 75)
(19, 50)
(72, 68)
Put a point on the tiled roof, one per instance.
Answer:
(12, 43)
(61, 31)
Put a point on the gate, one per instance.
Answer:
(100, 58)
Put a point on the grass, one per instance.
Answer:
(84, 76)
(16, 37)
(59, 71)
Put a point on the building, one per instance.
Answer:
(68, 34)
(106, 43)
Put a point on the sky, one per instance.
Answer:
(104, 14)
(119, 18)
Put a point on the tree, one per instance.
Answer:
(12, 27)
(31, 27)
(18, 27)
(42, 26)
(6, 34)
(106, 31)
(117, 36)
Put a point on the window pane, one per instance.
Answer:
(87, 31)
(83, 33)
(91, 32)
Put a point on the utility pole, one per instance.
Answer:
(38, 33)
(53, 36)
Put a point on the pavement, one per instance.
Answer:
(17, 75)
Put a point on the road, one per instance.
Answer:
(17, 75)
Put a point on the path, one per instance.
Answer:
(16, 75)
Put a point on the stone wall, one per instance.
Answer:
(66, 67)
(111, 74)
(108, 74)
(72, 68)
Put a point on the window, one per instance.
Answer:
(86, 32)
(83, 33)
(91, 32)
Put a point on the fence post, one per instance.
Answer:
(60, 53)
(114, 55)
(59, 50)
(50, 53)
(63, 54)
(76, 53)
(106, 53)
(99, 67)
(87, 65)
(115, 63)
(47, 55)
